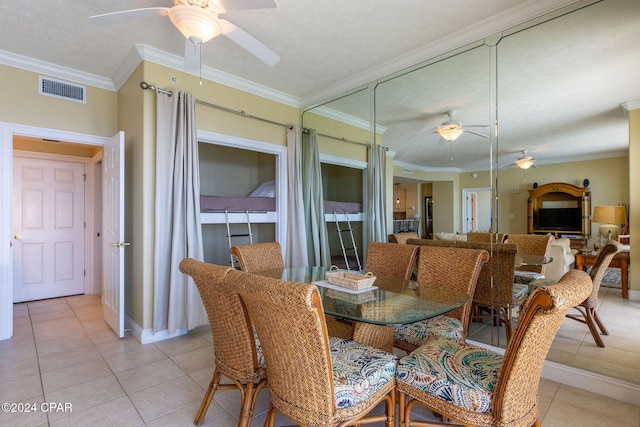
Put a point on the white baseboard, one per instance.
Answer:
(613, 388)
(146, 336)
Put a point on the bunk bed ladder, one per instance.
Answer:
(249, 234)
(353, 247)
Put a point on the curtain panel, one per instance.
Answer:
(178, 232)
(313, 199)
(377, 176)
(296, 247)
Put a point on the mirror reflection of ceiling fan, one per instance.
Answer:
(525, 162)
(452, 129)
(199, 21)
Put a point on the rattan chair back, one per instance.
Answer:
(485, 237)
(598, 269)
(453, 268)
(516, 392)
(258, 256)
(532, 244)
(391, 260)
(289, 319)
(402, 237)
(234, 343)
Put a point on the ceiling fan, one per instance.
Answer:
(525, 162)
(452, 129)
(199, 21)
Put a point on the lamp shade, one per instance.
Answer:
(609, 215)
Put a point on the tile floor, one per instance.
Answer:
(62, 352)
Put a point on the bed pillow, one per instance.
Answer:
(266, 189)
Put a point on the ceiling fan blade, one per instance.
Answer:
(475, 133)
(192, 55)
(231, 5)
(476, 126)
(124, 16)
(248, 42)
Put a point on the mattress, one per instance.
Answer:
(331, 206)
(237, 204)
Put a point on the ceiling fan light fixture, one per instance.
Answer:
(449, 134)
(195, 23)
(525, 163)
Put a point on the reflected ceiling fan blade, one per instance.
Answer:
(231, 5)
(247, 41)
(124, 16)
(475, 133)
(192, 55)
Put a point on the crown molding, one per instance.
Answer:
(53, 70)
(628, 106)
(160, 57)
(426, 169)
(346, 118)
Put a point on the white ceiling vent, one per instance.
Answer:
(63, 90)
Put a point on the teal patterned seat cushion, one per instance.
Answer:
(454, 371)
(416, 333)
(524, 277)
(520, 292)
(259, 350)
(359, 371)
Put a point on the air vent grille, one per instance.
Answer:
(62, 90)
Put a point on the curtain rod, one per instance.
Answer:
(145, 86)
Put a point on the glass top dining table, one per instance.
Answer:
(391, 301)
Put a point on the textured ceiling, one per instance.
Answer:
(559, 84)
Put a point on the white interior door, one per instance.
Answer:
(113, 233)
(48, 213)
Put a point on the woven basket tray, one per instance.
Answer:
(346, 279)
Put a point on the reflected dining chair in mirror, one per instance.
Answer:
(258, 256)
(588, 309)
(237, 353)
(531, 244)
(485, 237)
(450, 268)
(313, 379)
(496, 292)
(494, 390)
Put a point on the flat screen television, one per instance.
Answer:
(562, 219)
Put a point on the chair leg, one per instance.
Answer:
(249, 395)
(271, 416)
(206, 401)
(591, 323)
(596, 317)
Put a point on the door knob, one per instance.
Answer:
(119, 244)
(19, 236)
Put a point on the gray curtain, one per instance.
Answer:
(178, 233)
(377, 176)
(296, 247)
(317, 240)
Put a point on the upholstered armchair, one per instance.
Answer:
(563, 259)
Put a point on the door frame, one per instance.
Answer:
(466, 192)
(7, 132)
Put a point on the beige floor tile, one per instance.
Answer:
(84, 300)
(69, 357)
(574, 407)
(12, 352)
(162, 399)
(20, 310)
(149, 375)
(216, 417)
(51, 315)
(195, 360)
(21, 388)
(49, 346)
(73, 375)
(85, 395)
(12, 371)
(183, 344)
(118, 412)
(34, 416)
(142, 355)
(47, 306)
(546, 392)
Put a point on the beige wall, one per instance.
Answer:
(22, 104)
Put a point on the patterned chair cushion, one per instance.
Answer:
(359, 371)
(524, 277)
(520, 292)
(540, 282)
(259, 350)
(416, 333)
(459, 373)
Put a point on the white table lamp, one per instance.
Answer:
(609, 217)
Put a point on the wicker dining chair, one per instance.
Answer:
(452, 268)
(588, 309)
(485, 237)
(314, 380)
(237, 353)
(258, 256)
(496, 292)
(475, 386)
(532, 244)
(391, 260)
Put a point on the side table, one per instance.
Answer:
(620, 260)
